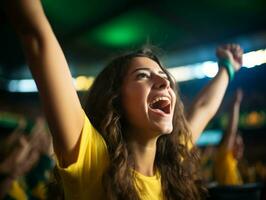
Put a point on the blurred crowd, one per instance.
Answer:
(225, 163)
(254, 172)
(25, 158)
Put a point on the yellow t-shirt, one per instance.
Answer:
(83, 179)
(39, 191)
(225, 168)
(17, 192)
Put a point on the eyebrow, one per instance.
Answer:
(148, 69)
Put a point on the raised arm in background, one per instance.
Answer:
(231, 131)
(209, 99)
(51, 73)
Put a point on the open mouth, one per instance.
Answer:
(162, 104)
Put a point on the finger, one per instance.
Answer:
(233, 46)
(239, 54)
(240, 60)
(238, 47)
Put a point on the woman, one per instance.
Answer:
(135, 143)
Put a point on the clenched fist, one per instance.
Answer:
(232, 52)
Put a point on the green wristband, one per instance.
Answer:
(228, 66)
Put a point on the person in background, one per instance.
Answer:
(25, 162)
(231, 148)
(17, 158)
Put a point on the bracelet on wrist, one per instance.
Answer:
(228, 66)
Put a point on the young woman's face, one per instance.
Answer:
(147, 98)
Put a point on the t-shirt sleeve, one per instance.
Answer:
(91, 162)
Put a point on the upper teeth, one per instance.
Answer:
(159, 99)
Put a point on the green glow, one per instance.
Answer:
(131, 29)
(69, 14)
(128, 30)
(120, 33)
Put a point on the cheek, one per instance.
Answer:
(173, 98)
(134, 94)
(132, 102)
(129, 98)
(131, 95)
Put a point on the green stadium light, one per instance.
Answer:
(120, 33)
(131, 30)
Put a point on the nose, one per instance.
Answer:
(161, 82)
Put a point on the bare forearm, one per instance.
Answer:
(207, 103)
(232, 126)
(210, 97)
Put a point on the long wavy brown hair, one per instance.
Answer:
(174, 160)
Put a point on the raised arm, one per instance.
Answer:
(231, 131)
(51, 73)
(210, 97)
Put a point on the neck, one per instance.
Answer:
(143, 153)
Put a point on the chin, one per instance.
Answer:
(164, 129)
(167, 131)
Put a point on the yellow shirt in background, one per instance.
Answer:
(225, 168)
(83, 179)
(17, 192)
